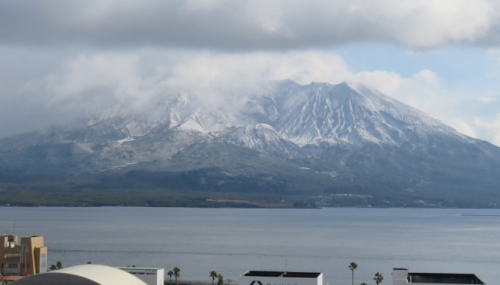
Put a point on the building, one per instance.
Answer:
(150, 276)
(25, 258)
(88, 274)
(281, 278)
(6, 280)
(401, 276)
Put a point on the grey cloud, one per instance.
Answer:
(246, 25)
(77, 52)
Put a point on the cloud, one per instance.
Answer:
(133, 79)
(128, 81)
(248, 25)
(58, 59)
(481, 127)
(422, 90)
(56, 93)
(136, 79)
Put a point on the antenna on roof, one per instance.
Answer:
(286, 265)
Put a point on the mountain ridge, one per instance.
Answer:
(287, 134)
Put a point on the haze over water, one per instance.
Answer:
(232, 241)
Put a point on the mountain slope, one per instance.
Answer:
(288, 138)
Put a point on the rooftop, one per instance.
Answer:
(449, 278)
(282, 274)
(139, 268)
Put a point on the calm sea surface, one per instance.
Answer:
(232, 241)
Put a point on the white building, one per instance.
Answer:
(150, 275)
(89, 274)
(281, 278)
(401, 276)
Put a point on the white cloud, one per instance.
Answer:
(134, 78)
(422, 90)
(487, 99)
(485, 127)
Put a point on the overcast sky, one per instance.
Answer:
(57, 57)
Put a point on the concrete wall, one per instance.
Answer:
(399, 276)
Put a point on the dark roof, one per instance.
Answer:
(302, 274)
(450, 278)
(282, 274)
(264, 273)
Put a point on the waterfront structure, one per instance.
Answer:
(255, 277)
(401, 276)
(150, 275)
(25, 258)
(88, 274)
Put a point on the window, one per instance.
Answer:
(43, 263)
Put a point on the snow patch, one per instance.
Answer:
(120, 142)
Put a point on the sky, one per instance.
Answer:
(59, 59)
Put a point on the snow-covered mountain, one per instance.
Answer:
(303, 115)
(343, 131)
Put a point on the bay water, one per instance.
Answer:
(232, 241)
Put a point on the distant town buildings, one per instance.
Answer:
(401, 276)
(281, 278)
(21, 259)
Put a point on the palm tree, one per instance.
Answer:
(221, 280)
(59, 265)
(177, 273)
(378, 278)
(352, 267)
(170, 273)
(213, 274)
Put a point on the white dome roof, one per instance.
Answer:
(90, 274)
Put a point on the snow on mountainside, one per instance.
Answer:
(338, 114)
(285, 120)
(260, 137)
(303, 115)
(317, 139)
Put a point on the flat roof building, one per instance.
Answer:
(22, 258)
(401, 276)
(256, 277)
(150, 275)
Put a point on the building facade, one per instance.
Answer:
(150, 275)
(27, 257)
(281, 278)
(401, 276)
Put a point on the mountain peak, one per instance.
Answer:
(329, 135)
